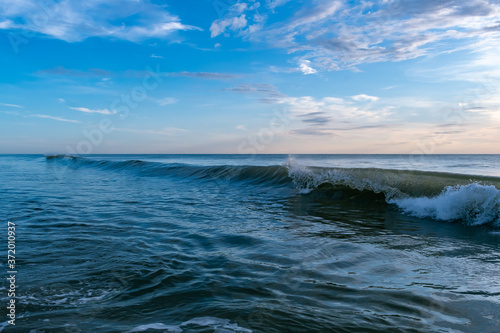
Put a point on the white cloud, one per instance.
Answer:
(7, 24)
(156, 56)
(72, 20)
(100, 73)
(365, 98)
(158, 30)
(240, 7)
(169, 131)
(11, 105)
(314, 15)
(167, 101)
(276, 3)
(44, 116)
(481, 67)
(305, 68)
(86, 110)
(105, 82)
(12, 112)
(232, 23)
(54, 118)
(241, 127)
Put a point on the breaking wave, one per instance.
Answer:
(474, 200)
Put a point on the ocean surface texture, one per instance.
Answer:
(266, 243)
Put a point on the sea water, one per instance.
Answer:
(262, 243)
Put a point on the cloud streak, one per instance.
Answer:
(54, 118)
(168, 131)
(62, 71)
(86, 110)
(100, 73)
(365, 98)
(73, 21)
(11, 105)
(166, 101)
(205, 75)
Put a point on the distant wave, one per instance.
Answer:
(474, 200)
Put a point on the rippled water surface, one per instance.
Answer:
(218, 243)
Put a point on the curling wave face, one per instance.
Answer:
(473, 200)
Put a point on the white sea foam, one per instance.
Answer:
(156, 326)
(475, 204)
(74, 297)
(4, 325)
(218, 325)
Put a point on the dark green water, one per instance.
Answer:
(247, 244)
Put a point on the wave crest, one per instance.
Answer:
(474, 200)
(441, 196)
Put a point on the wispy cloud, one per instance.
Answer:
(365, 98)
(317, 116)
(16, 113)
(205, 75)
(73, 20)
(12, 112)
(62, 71)
(232, 23)
(481, 67)
(105, 74)
(156, 56)
(235, 20)
(169, 131)
(54, 118)
(379, 126)
(276, 3)
(166, 101)
(101, 111)
(264, 88)
(11, 105)
(334, 35)
(313, 132)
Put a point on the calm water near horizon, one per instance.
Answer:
(264, 243)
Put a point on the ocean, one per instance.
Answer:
(251, 243)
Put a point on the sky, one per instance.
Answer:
(249, 76)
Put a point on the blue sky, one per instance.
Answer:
(270, 76)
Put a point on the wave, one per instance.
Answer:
(474, 200)
(271, 175)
